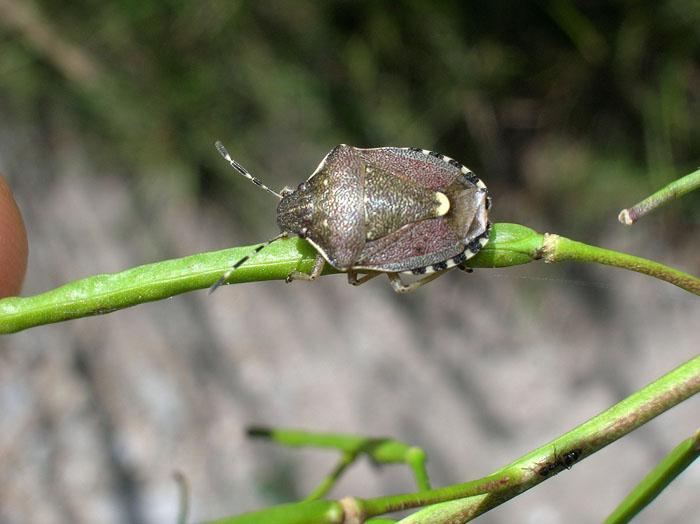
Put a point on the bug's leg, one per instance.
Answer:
(400, 287)
(352, 277)
(315, 272)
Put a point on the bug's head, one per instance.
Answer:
(295, 210)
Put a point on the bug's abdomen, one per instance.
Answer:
(467, 216)
(443, 228)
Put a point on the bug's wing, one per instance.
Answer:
(420, 166)
(416, 245)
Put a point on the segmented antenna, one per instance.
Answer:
(243, 171)
(242, 261)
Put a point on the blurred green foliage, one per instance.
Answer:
(560, 106)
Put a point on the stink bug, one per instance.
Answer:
(384, 210)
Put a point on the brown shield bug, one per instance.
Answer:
(384, 210)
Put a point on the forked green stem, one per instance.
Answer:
(379, 450)
(462, 502)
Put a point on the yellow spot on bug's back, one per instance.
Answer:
(325, 222)
(443, 204)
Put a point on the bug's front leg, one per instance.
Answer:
(315, 272)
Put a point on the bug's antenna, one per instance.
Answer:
(224, 277)
(243, 171)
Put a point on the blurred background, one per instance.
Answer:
(108, 116)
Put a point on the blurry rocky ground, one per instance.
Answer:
(109, 114)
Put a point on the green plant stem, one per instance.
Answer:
(656, 481)
(462, 502)
(184, 496)
(307, 512)
(510, 245)
(379, 450)
(560, 249)
(100, 294)
(416, 459)
(675, 189)
(346, 459)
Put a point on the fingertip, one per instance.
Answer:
(14, 248)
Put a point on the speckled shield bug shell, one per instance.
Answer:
(384, 210)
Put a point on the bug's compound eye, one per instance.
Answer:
(303, 232)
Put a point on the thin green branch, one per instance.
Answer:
(379, 450)
(416, 459)
(307, 512)
(510, 245)
(183, 496)
(560, 249)
(675, 189)
(346, 459)
(656, 481)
